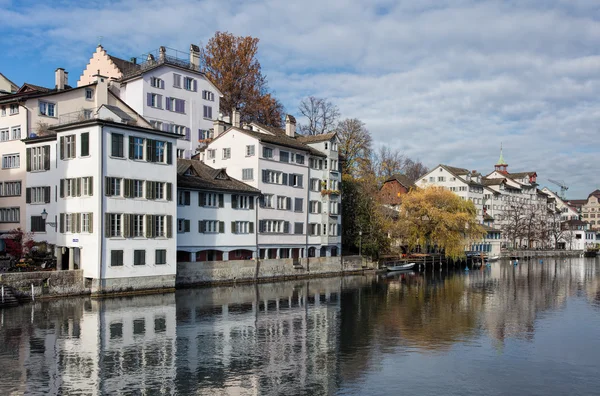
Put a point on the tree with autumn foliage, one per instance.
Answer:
(19, 243)
(231, 63)
(437, 217)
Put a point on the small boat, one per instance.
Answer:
(493, 258)
(402, 267)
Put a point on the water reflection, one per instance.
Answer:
(305, 337)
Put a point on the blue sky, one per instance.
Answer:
(444, 81)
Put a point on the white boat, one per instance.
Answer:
(402, 267)
(493, 258)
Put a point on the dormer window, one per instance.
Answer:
(222, 176)
(189, 172)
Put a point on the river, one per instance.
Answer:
(533, 329)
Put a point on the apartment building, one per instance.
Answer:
(282, 167)
(7, 86)
(590, 210)
(216, 214)
(167, 88)
(112, 204)
(32, 111)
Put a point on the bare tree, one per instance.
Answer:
(555, 229)
(355, 143)
(321, 115)
(387, 162)
(514, 220)
(414, 169)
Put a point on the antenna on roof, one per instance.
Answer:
(100, 40)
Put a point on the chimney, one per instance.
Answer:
(150, 58)
(218, 127)
(195, 56)
(101, 89)
(133, 60)
(60, 78)
(290, 126)
(162, 52)
(235, 118)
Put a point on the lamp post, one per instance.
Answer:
(45, 216)
(360, 243)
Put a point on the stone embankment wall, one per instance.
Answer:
(541, 253)
(219, 272)
(45, 283)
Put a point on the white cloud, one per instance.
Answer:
(446, 81)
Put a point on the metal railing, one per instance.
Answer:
(169, 56)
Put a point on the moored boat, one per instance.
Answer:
(401, 267)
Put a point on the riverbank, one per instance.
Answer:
(26, 286)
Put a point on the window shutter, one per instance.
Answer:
(169, 226)
(251, 228)
(233, 230)
(28, 194)
(186, 225)
(290, 179)
(126, 188)
(62, 147)
(300, 181)
(286, 227)
(78, 184)
(106, 186)
(47, 194)
(186, 198)
(251, 202)
(91, 184)
(62, 223)
(284, 179)
(169, 191)
(85, 144)
(201, 198)
(131, 147)
(149, 99)
(78, 222)
(188, 134)
(234, 201)
(182, 105)
(201, 226)
(149, 190)
(107, 225)
(264, 176)
(168, 103)
(126, 225)
(195, 86)
(149, 226)
(28, 159)
(169, 153)
(91, 217)
(46, 157)
(261, 226)
(221, 203)
(288, 203)
(149, 150)
(159, 101)
(221, 227)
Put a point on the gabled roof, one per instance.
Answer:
(118, 112)
(9, 81)
(595, 193)
(521, 175)
(456, 171)
(27, 87)
(324, 137)
(577, 202)
(492, 182)
(122, 64)
(34, 91)
(203, 177)
(403, 180)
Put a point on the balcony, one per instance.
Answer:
(163, 55)
(106, 112)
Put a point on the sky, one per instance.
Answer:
(443, 81)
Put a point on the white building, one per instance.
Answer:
(216, 214)
(577, 235)
(166, 88)
(283, 168)
(114, 203)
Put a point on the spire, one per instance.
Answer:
(501, 159)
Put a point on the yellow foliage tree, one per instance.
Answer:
(435, 216)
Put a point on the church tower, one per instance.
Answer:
(501, 166)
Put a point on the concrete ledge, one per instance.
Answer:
(132, 285)
(46, 284)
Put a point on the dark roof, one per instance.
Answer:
(490, 229)
(279, 139)
(122, 64)
(38, 93)
(316, 138)
(492, 182)
(123, 115)
(402, 179)
(520, 175)
(456, 171)
(595, 193)
(34, 88)
(205, 178)
(574, 222)
(487, 217)
(577, 202)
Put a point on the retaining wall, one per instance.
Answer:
(541, 253)
(215, 272)
(45, 283)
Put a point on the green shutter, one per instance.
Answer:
(202, 226)
(149, 226)
(107, 186)
(251, 199)
(169, 153)
(201, 199)
(149, 150)
(221, 227)
(126, 225)
(47, 194)
(91, 184)
(78, 186)
(85, 144)
(107, 225)
(91, 217)
(28, 195)
(221, 201)
(62, 147)
(234, 201)
(251, 228)
(186, 225)
(28, 159)
(62, 188)
(233, 231)
(62, 223)
(126, 188)
(169, 226)
(169, 191)
(131, 147)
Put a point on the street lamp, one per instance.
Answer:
(360, 243)
(45, 216)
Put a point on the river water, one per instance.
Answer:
(533, 329)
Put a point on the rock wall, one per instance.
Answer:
(45, 283)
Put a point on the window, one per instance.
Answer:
(38, 224)
(334, 146)
(333, 185)
(157, 125)
(211, 153)
(89, 93)
(284, 203)
(157, 83)
(159, 226)
(314, 229)
(15, 133)
(274, 227)
(190, 84)
(14, 109)
(85, 144)
(11, 161)
(242, 227)
(211, 227)
(183, 198)
(226, 153)
(10, 189)
(211, 200)
(207, 112)
(159, 190)
(177, 80)
(204, 134)
(298, 228)
(315, 185)
(176, 105)
(248, 174)
(299, 159)
(86, 222)
(274, 177)
(207, 95)
(154, 100)
(137, 226)
(4, 135)
(315, 207)
(37, 195)
(117, 145)
(38, 158)
(298, 203)
(47, 109)
(116, 258)
(267, 201)
(432, 179)
(242, 201)
(333, 165)
(136, 148)
(3, 111)
(115, 228)
(10, 215)
(334, 208)
(139, 257)
(295, 180)
(284, 156)
(113, 186)
(160, 256)
(183, 225)
(267, 152)
(250, 150)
